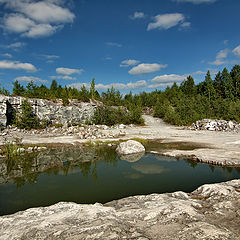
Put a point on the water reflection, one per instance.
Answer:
(57, 161)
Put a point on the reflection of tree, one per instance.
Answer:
(191, 163)
(85, 168)
(212, 168)
(27, 168)
(94, 172)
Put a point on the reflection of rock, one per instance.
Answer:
(130, 147)
(146, 168)
(210, 212)
(132, 157)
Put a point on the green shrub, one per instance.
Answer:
(111, 116)
(27, 119)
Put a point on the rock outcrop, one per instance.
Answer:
(54, 112)
(210, 212)
(215, 125)
(130, 147)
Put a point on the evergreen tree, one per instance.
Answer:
(92, 89)
(18, 89)
(235, 74)
(228, 88)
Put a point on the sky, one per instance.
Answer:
(132, 45)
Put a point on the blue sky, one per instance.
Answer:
(137, 45)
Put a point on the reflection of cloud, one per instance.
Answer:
(132, 157)
(164, 158)
(146, 168)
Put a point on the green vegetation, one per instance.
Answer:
(179, 105)
(27, 119)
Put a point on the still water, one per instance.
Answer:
(89, 175)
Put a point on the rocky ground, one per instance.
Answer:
(217, 147)
(210, 212)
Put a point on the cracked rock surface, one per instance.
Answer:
(209, 212)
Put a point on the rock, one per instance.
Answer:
(172, 216)
(53, 112)
(215, 125)
(130, 147)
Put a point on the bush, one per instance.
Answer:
(111, 116)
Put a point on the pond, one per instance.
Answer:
(97, 174)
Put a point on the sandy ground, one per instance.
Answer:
(221, 148)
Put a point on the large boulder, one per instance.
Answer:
(130, 147)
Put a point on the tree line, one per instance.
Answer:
(217, 97)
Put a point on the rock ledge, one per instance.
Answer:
(210, 212)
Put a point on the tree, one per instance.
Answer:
(18, 89)
(227, 84)
(235, 75)
(54, 86)
(209, 90)
(92, 88)
(188, 86)
(27, 119)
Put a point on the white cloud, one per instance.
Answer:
(236, 51)
(185, 25)
(63, 77)
(46, 12)
(30, 79)
(137, 15)
(166, 21)
(35, 19)
(160, 85)
(17, 23)
(220, 58)
(114, 44)
(41, 30)
(199, 73)
(119, 86)
(7, 55)
(146, 68)
(129, 62)
(17, 65)
(168, 78)
(196, 1)
(68, 71)
(16, 45)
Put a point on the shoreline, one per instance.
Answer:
(215, 148)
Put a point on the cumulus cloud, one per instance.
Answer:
(129, 62)
(114, 44)
(137, 15)
(119, 86)
(35, 19)
(30, 79)
(17, 65)
(236, 51)
(220, 58)
(166, 80)
(144, 68)
(166, 21)
(196, 1)
(68, 71)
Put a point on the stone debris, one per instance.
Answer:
(210, 212)
(81, 131)
(216, 125)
